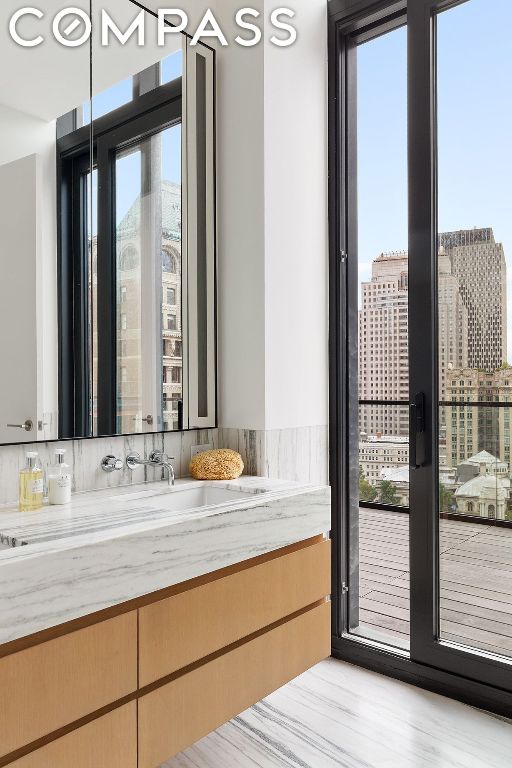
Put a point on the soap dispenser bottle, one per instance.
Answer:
(31, 484)
(59, 480)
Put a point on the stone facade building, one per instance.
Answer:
(487, 491)
(149, 307)
(469, 428)
(379, 453)
(478, 263)
(383, 346)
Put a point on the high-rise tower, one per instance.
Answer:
(383, 346)
(478, 263)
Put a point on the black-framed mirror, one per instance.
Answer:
(111, 303)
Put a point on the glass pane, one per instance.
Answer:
(475, 531)
(384, 533)
(384, 460)
(108, 100)
(171, 67)
(379, 536)
(475, 378)
(129, 291)
(92, 238)
(149, 306)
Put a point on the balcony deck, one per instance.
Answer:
(476, 581)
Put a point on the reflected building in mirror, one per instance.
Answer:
(165, 284)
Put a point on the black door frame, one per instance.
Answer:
(476, 678)
(423, 362)
(145, 115)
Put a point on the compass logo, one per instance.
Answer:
(72, 27)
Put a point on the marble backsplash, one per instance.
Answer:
(84, 457)
(288, 454)
(300, 453)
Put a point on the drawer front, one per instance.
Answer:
(187, 627)
(51, 685)
(110, 741)
(176, 715)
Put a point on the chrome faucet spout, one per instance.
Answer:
(170, 472)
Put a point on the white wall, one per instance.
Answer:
(21, 137)
(296, 248)
(241, 231)
(272, 222)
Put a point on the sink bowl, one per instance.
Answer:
(108, 512)
(182, 498)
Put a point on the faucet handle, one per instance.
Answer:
(111, 464)
(155, 457)
(133, 460)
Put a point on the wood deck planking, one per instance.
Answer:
(476, 581)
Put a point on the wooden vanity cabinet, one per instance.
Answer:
(191, 625)
(133, 689)
(109, 741)
(56, 683)
(176, 715)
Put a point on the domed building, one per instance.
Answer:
(485, 495)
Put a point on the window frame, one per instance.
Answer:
(96, 145)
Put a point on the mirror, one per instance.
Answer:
(109, 313)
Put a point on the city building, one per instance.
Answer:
(470, 428)
(483, 487)
(379, 453)
(399, 477)
(452, 321)
(472, 337)
(148, 295)
(478, 263)
(473, 467)
(383, 346)
(383, 339)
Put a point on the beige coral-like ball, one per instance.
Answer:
(221, 464)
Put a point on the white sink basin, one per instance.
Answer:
(179, 499)
(108, 512)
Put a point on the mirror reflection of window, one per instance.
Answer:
(126, 244)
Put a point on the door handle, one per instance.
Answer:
(416, 427)
(148, 419)
(27, 425)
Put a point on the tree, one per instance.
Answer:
(446, 498)
(366, 491)
(388, 493)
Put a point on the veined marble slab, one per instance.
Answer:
(341, 716)
(85, 567)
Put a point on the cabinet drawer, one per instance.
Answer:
(109, 741)
(189, 626)
(176, 715)
(53, 684)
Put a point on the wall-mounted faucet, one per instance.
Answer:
(156, 459)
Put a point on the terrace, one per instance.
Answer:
(476, 581)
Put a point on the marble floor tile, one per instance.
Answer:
(340, 716)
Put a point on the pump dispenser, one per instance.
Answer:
(31, 484)
(59, 480)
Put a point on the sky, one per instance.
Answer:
(474, 132)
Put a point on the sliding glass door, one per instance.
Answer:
(461, 530)
(421, 239)
(380, 521)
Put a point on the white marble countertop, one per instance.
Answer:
(110, 546)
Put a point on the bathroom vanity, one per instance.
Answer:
(133, 622)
